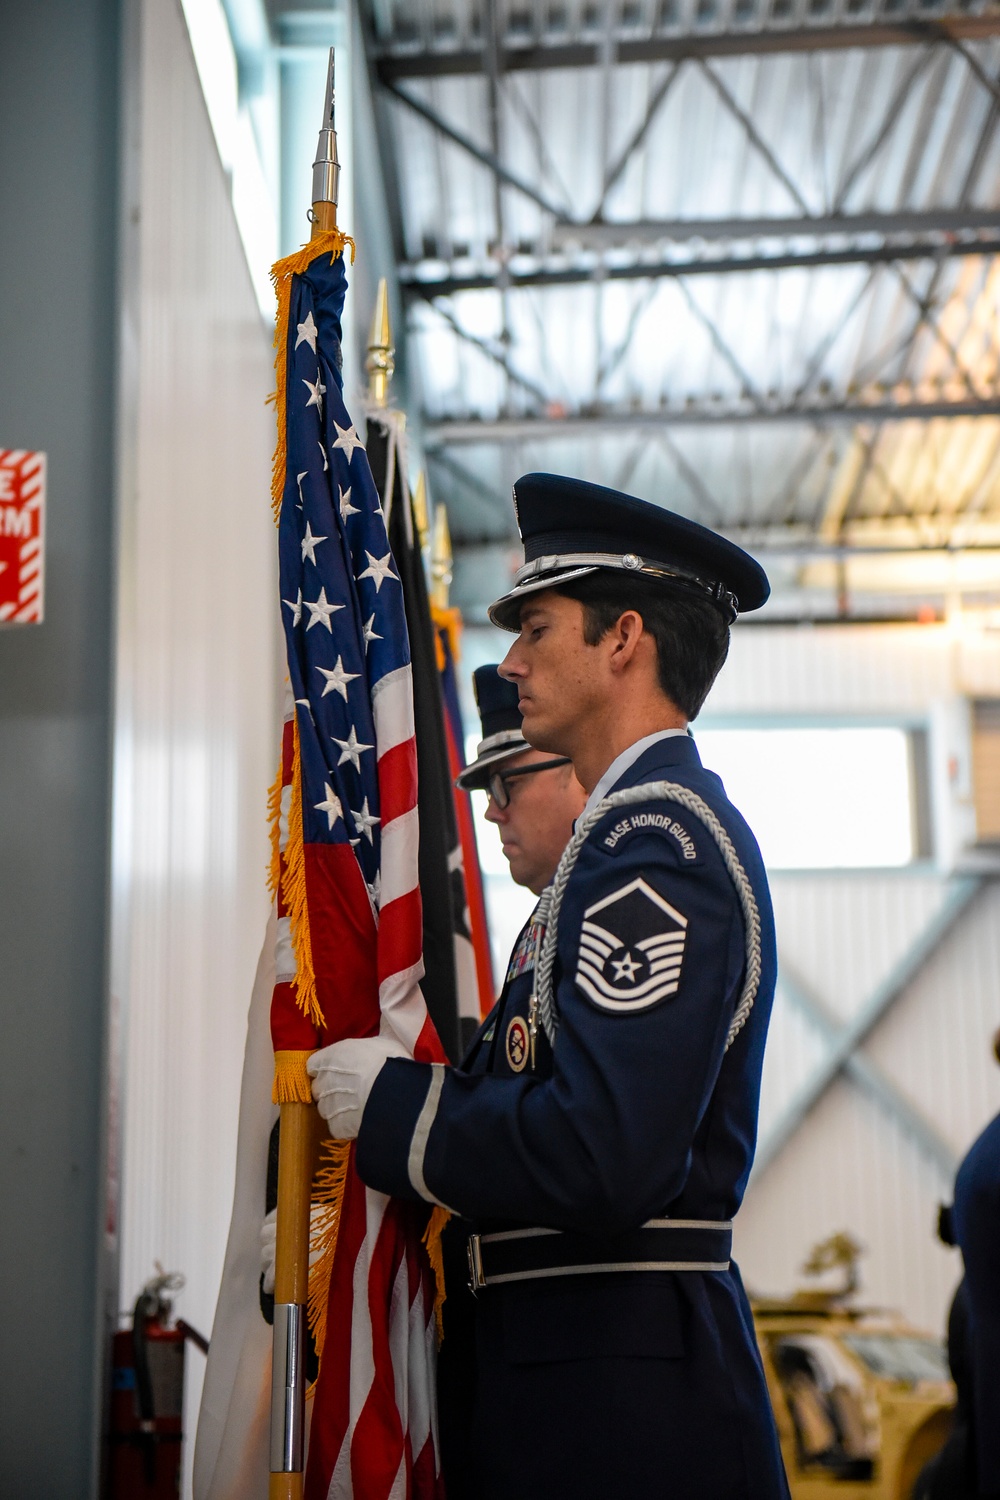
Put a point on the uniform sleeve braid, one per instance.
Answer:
(551, 901)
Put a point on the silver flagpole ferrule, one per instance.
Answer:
(326, 167)
(288, 1388)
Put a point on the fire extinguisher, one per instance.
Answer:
(147, 1396)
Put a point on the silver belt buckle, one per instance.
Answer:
(474, 1251)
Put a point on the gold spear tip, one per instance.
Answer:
(420, 516)
(379, 362)
(441, 559)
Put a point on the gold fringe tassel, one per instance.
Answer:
(274, 825)
(450, 621)
(332, 242)
(432, 1241)
(293, 889)
(328, 1198)
(292, 1084)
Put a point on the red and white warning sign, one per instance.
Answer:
(22, 536)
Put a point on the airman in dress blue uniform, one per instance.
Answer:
(976, 1221)
(601, 1147)
(535, 819)
(533, 800)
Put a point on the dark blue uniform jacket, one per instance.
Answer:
(635, 1383)
(976, 1221)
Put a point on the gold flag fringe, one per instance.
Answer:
(332, 242)
(328, 1199)
(292, 1084)
(327, 1202)
(432, 1242)
(274, 824)
(293, 889)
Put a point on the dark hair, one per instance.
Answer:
(692, 638)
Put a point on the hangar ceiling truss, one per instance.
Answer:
(745, 252)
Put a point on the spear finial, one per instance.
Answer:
(326, 167)
(380, 364)
(441, 559)
(421, 518)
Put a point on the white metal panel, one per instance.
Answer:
(980, 660)
(850, 1167)
(936, 1043)
(843, 934)
(851, 1164)
(794, 1049)
(197, 727)
(824, 670)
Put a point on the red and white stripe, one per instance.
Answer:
(386, 1444)
(382, 1440)
(400, 936)
(373, 1428)
(22, 591)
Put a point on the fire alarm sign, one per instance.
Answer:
(22, 536)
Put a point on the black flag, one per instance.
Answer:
(435, 798)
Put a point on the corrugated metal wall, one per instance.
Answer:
(852, 1162)
(197, 719)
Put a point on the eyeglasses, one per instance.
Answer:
(497, 786)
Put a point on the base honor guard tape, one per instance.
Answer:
(660, 1245)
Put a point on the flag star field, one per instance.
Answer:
(334, 557)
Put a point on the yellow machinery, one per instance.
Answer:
(862, 1400)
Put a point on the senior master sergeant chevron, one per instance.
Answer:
(615, 1352)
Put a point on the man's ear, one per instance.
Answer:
(625, 635)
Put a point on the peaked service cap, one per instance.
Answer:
(500, 716)
(570, 528)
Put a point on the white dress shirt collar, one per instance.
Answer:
(621, 764)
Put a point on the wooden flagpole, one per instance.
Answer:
(301, 1126)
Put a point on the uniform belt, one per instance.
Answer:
(659, 1245)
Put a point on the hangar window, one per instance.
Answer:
(838, 797)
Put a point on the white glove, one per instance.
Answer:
(343, 1075)
(268, 1244)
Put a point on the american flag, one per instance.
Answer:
(349, 930)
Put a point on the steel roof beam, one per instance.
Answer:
(889, 120)
(752, 134)
(601, 235)
(487, 158)
(394, 64)
(615, 171)
(446, 432)
(989, 84)
(494, 350)
(508, 278)
(748, 387)
(928, 320)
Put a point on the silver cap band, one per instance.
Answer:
(548, 572)
(492, 751)
(502, 737)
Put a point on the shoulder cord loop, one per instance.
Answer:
(551, 899)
